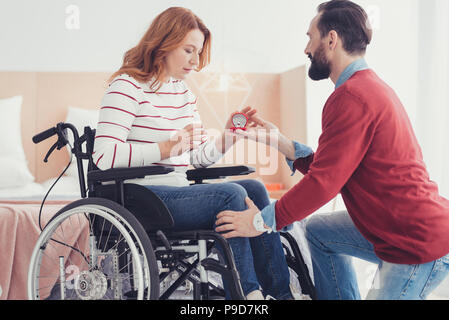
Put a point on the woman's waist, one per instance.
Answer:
(174, 178)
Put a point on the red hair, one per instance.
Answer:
(166, 33)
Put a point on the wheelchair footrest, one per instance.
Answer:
(229, 275)
(215, 266)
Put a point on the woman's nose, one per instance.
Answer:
(194, 61)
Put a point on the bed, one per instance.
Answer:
(21, 196)
(19, 230)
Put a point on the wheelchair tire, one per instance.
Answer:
(100, 251)
(300, 280)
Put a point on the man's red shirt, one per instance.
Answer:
(368, 152)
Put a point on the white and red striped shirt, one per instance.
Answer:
(133, 118)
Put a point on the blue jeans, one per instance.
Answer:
(260, 261)
(333, 239)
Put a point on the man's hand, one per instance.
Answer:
(238, 223)
(260, 130)
(266, 132)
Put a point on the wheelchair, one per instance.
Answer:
(118, 242)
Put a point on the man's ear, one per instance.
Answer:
(332, 39)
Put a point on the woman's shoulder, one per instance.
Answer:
(173, 88)
(181, 86)
(126, 81)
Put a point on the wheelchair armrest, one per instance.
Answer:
(121, 174)
(198, 175)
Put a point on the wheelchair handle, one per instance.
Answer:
(44, 135)
(61, 131)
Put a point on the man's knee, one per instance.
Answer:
(313, 229)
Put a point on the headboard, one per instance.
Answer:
(47, 96)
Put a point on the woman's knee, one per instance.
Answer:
(235, 196)
(252, 185)
(256, 191)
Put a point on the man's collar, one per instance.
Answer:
(358, 65)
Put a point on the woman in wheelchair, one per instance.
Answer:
(148, 117)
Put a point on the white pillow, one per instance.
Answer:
(14, 173)
(80, 118)
(10, 128)
(14, 170)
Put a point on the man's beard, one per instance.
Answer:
(320, 67)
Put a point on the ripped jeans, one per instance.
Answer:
(333, 239)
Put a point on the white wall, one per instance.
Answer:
(249, 36)
(433, 99)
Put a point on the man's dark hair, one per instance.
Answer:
(349, 20)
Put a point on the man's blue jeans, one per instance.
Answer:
(333, 239)
(260, 261)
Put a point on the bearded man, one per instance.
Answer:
(369, 154)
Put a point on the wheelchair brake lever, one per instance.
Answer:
(164, 239)
(53, 147)
(60, 143)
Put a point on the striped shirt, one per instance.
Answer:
(134, 118)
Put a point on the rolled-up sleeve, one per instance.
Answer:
(269, 217)
(301, 151)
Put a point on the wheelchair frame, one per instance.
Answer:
(169, 247)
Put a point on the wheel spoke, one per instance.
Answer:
(68, 234)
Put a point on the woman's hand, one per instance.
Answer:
(186, 139)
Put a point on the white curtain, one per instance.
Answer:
(432, 118)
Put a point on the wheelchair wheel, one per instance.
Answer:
(93, 249)
(300, 280)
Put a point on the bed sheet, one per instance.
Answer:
(19, 228)
(67, 188)
(19, 231)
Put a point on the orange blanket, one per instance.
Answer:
(19, 231)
